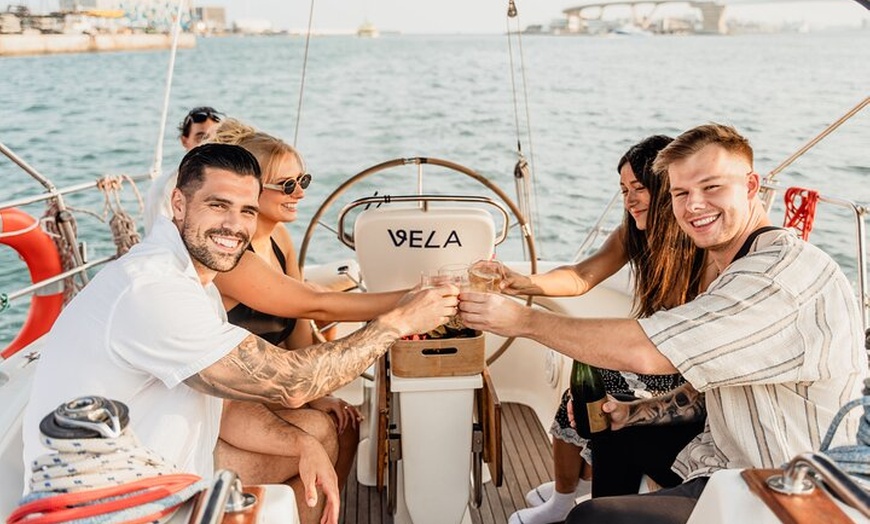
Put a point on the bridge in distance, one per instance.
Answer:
(712, 12)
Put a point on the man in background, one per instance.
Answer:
(197, 125)
(193, 129)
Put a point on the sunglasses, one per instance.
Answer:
(198, 117)
(289, 185)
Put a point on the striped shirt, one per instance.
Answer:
(776, 344)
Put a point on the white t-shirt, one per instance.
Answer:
(776, 343)
(142, 326)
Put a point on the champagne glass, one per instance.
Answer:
(485, 276)
(456, 274)
(432, 278)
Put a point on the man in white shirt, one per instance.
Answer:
(775, 342)
(150, 331)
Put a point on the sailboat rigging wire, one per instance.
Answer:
(596, 229)
(157, 165)
(526, 100)
(769, 185)
(523, 185)
(827, 131)
(304, 67)
(512, 11)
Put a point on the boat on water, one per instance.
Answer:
(630, 29)
(521, 386)
(432, 419)
(368, 30)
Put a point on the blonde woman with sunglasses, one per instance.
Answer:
(264, 294)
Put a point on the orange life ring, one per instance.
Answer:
(40, 254)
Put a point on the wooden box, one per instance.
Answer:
(440, 357)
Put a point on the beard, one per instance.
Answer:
(197, 246)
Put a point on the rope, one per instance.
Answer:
(800, 216)
(153, 499)
(853, 459)
(24, 231)
(122, 225)
(124, 232)
(102, 480)
(94, 462)
(65, 249)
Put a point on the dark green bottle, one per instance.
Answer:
(587, 392)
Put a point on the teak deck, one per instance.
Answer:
(528, 461)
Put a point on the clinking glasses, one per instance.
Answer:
(289, 185)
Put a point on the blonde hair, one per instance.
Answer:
(267, 149)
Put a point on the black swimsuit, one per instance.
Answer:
(271, 328)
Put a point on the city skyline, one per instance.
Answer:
(489, 16)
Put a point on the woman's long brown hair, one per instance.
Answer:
(666, 263)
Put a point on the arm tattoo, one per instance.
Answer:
(258, 371)
(684, 404)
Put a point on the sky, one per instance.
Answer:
(482, 16)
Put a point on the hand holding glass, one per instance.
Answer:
(456, 274)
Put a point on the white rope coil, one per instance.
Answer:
(80, 464)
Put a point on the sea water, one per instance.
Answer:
(574, 105)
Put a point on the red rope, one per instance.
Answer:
(800, 216)
(91, 503)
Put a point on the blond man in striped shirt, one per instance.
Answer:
(775, 342)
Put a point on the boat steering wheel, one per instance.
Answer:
(420, 162)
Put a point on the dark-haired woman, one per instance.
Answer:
(668, 271)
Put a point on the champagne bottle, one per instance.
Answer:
(587, 392)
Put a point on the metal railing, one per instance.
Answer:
(596, 230)
(225, 495)
(65, 229)
(858, 212)
(795, 480)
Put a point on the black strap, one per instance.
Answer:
(278, 253)
(744, 249)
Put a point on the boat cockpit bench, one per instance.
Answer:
(428, 426)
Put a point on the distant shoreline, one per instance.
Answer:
(43, 44)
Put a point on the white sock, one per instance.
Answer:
(555, 509)
(537, 496)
